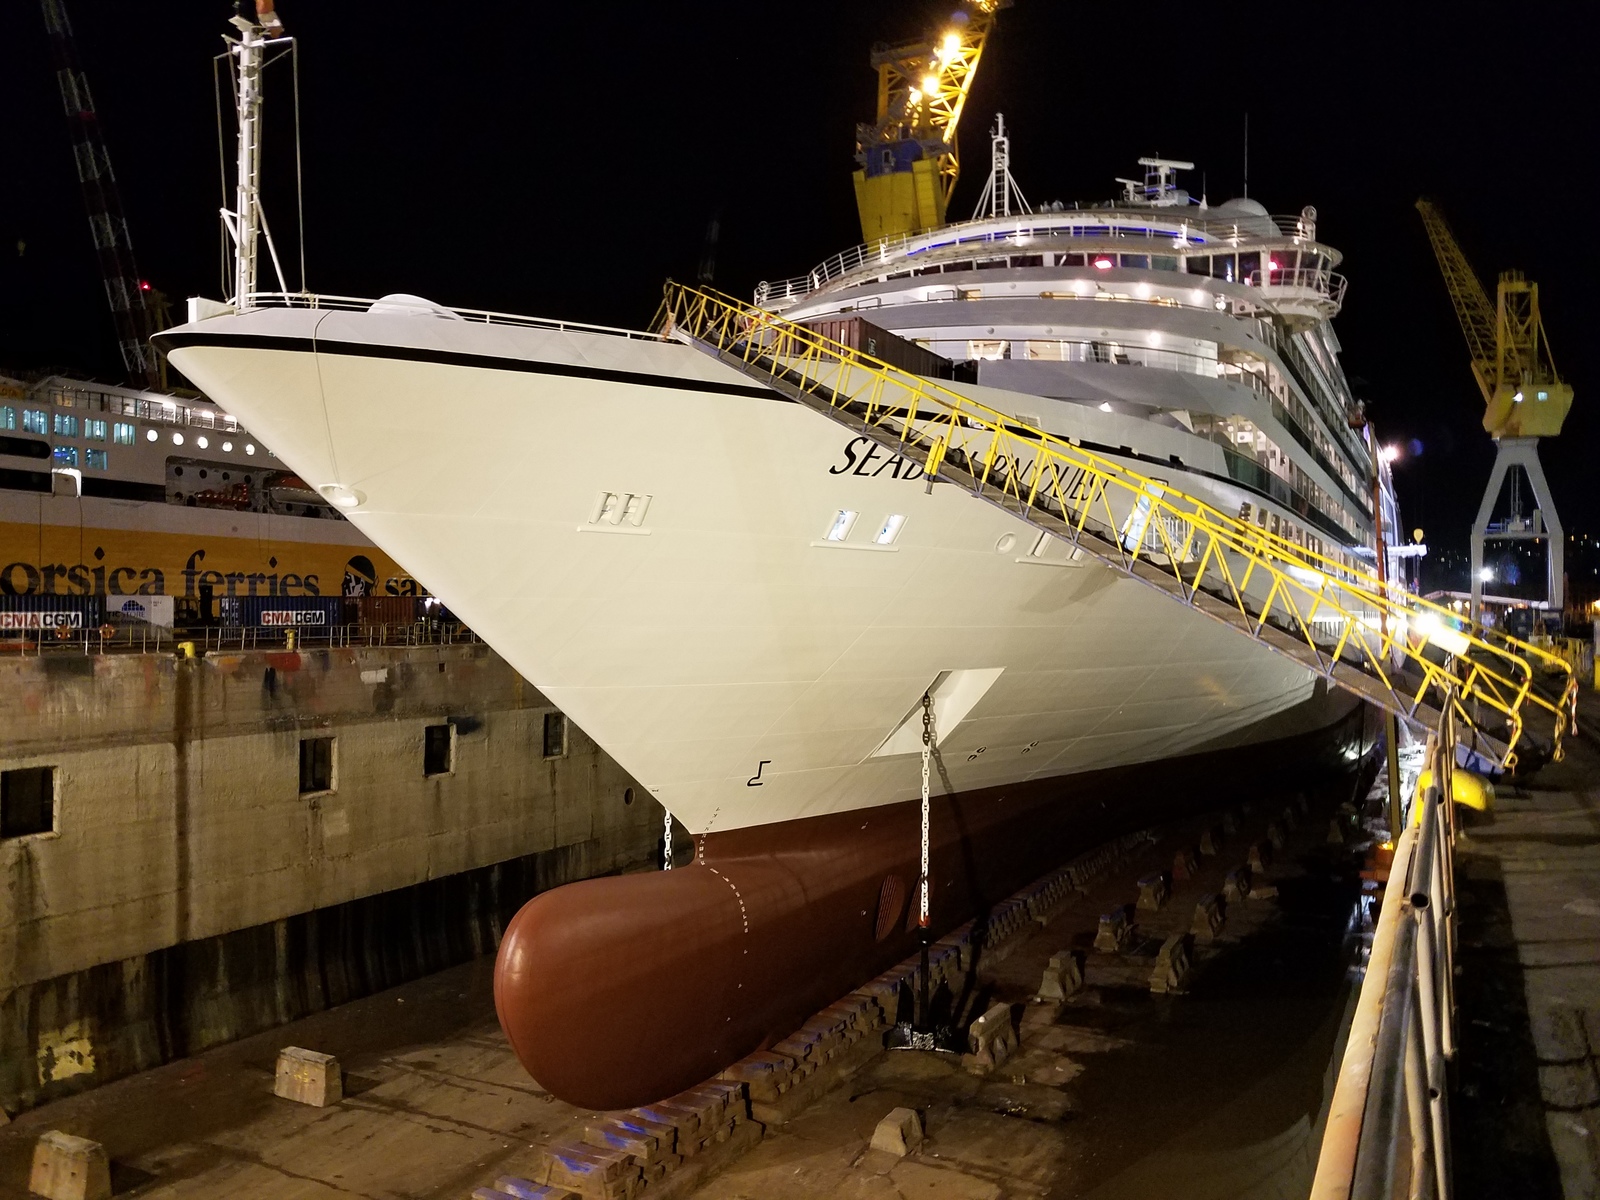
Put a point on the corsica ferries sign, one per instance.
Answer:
(303, 571)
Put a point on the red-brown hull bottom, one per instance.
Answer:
(619, 991)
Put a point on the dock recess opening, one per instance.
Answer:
(316, 765)
(555, 735)
(438, 749)
(27, 801)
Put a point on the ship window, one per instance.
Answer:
(35, 421)
(66, 425)
(1250, 267)
(988, 351)
(1141, 261)
(122, 433)
(94, 429)
(1198, 264)
(27, 801)
(1069, 260)
(66, 456)
(840, 528)
(555, 735)
(97, 459)
(890, 529)
(957, 266)
(1028, 260)
(990, 264)
(1222, 267)
(1164, 262)
(438, 749)
(926, 271)
(8, 417)
(316, 765)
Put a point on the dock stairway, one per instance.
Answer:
(1395, 650)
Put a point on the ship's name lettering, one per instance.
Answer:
(863, 456)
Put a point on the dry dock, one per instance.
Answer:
(1113, 1091)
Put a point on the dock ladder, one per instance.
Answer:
(1375, 640)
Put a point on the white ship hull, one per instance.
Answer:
(728, 655)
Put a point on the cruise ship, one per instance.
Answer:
(746, 604)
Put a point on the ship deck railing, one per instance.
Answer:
(1104, 224)
(479, 316)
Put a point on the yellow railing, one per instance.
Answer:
(1374, 639)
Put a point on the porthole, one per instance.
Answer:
(1006, 542)
(627, 795)
(177, 470)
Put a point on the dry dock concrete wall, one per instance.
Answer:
(193, 867)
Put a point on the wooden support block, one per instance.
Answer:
(1237, 884)
(525, 1189)
(991, 1040)
(1154, 890)
(307, 1077)
(69, 1168)
(1209, 915)
(1063, 977)
(1260, 857)
(1211, 839)
(1186, 863)
(1115, 930)
(899, 1133)
(1172, 964)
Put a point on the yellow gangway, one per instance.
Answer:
(1373, 639)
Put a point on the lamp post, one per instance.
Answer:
(1391, 727)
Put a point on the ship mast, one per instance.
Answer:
(245, 222)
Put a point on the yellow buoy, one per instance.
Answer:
(1471, 791)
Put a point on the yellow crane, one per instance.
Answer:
(907, 162)
(1524, 400)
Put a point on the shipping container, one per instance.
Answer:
(388, 610)
(19, 613)
(282, 612)
(891, 348)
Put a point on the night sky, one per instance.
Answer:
(563, 160)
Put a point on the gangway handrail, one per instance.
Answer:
(1367, 636)
(1392, 1092)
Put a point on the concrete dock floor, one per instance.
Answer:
(1526, 1109)
(1119, 1093)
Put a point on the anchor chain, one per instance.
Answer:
(666, 845)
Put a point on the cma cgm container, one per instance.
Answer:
(282, 612)
(19, 613)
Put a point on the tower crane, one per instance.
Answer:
(1524, 399)
(132, 305)
(907, 162)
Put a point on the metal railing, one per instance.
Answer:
(1328, 286)
(1388, 1131)
(220, 639)
(1396, 650)
(442, 311)
(1181, 232)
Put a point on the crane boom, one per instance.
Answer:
(1522, 393)
(1473, 308)
(907, 158)
(127, 293)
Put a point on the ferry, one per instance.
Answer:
(110, 492)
